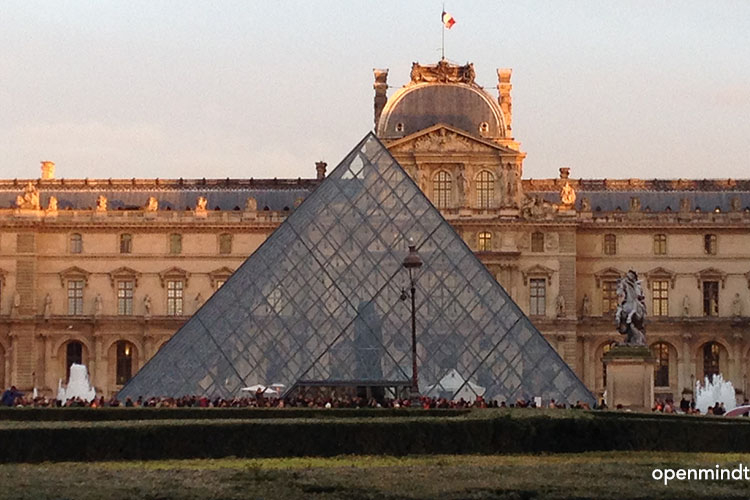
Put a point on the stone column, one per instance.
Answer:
(686, 367)
(100, 366)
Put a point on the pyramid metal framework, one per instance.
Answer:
(319, 300)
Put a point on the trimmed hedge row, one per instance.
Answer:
(83, 414)
(390, 436)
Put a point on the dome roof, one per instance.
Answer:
(433, 97)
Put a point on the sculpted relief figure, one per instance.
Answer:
(29, 199)
(200, 205)
(197, 302)
(735, 204)
(567, 195)
(52, 206)
(585, 205)
(685, 306)
(463, 187)
(560, 305)
(251, 205)
(98, 305)
(152, 205)
(586, 306)
(47, 306)
(147, 306)
(101, 203)
(424, 180)
(737, 305)
(15, 305)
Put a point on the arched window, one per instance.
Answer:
(711, 360)
(484, 241)
(126, 243)
(73, 354)
(76, 243)
(660, 351)
(441, 189)
(485, 184)
(124, 362)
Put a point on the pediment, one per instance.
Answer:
(536, 271)
(609, 273)
(74, 272)
(660, 273)
(443, 138)
(123, 272)
(219, 274)
(711, 274)
(173, 273)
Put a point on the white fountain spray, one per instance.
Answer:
(713, 391)
(78, 385)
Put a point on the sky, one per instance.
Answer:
(265, 89)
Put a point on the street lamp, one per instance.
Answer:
(412, 262)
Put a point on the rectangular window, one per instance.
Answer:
(125, 298)
(175, 243)
(75, 297)
(485, 241)
(174, 298)
(709, 244)
(609, 296)
(225, 244)
(610, 244)
(660, 298)
(537, 242)
(660, 244)
(538, 297)
(76, 243)
(710, 298)
(126, 243)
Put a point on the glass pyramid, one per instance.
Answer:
(319, 300)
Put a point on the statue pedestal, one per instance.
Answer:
(630, 378)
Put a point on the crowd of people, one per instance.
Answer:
(12, 397)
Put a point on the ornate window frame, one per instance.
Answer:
(220, 274)
(711, 274)
(74, 273)
(609, 273)
(444, 180)
(660, 273)
(484, 184)
(124, 273)
(537, 271)
(174, 274)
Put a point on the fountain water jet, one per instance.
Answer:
(712, 391)
(78, 385)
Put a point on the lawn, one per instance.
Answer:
(615, 475)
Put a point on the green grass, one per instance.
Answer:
(619, 475)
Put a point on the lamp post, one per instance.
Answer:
(412, 262)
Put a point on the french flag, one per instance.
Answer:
(448, 20)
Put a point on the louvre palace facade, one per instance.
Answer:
(104, 271)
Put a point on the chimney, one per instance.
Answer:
(48, 170)
(320, 166)
(503, 88)
(380, 86)
(564, 173)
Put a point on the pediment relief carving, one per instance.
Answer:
(173, 273)
(711, 274)
(122, 273)
(660, 273)
(609, 273)
(443, 140)
(74, 272)
(536, 271)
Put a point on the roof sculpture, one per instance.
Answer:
(319, 301)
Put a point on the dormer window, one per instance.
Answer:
(484, 128)
(399, 127)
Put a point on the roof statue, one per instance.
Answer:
(29, 200)
(318, 302)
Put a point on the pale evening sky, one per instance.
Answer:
(264, 89)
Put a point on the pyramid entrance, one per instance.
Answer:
(318, 304)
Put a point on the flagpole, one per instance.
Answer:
(442, 44)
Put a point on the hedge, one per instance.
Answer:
(84, 414)
(487, 433)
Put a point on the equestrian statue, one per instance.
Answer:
(631, 310)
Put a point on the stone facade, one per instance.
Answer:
(556, 245)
